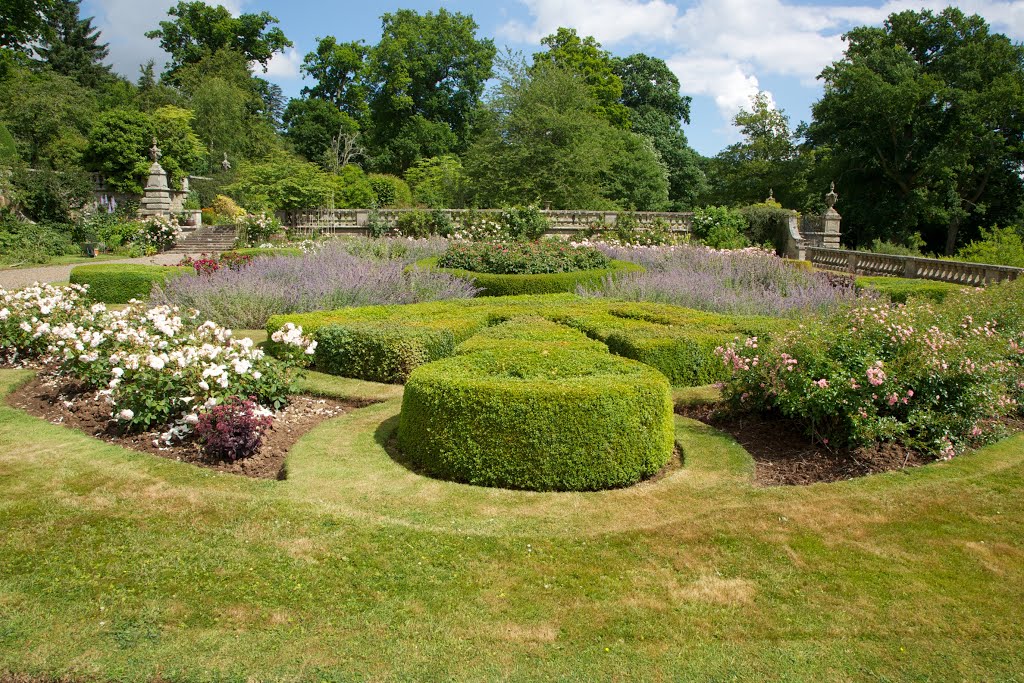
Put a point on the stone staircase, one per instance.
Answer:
(208, 239)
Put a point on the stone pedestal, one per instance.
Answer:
(156, 201)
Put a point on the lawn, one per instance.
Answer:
(116, 565)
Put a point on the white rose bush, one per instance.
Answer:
(159, 368)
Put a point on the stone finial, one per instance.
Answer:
(226, 165)
(771, 196)
(832, 197)
(154, 152)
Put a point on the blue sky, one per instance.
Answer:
(723, 51)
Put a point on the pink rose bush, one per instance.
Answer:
(937, 378)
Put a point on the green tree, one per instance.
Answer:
(231, 112)
(437, 182)
(199, 30)
(769, 160)
(48, 115)
(657, 110)
(283, 181)
(584, 56)
(120, 139)
(339, 70)
(428, 73)
(71, 47)
(22, 22)
(544, 142)
(313, 124)
(151, 93)
(920, 124)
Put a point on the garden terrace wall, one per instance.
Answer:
(941, 270)
(120, 283)
(386, 343)
(492, 284)
(307, 222)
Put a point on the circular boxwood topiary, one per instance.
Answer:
(538, 419)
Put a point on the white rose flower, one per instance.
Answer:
(126, 414)
(155, 362)
(117, 372)
(204, 385)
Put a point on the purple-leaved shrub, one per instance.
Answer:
(233, 429)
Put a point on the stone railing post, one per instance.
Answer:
(831, 220)
(852, 261)
(910, 267)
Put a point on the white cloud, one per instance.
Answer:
(719, 47)
(610, 21)
(283, 64)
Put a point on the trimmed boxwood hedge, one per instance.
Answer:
(386, 343)
(118, 283)
(256, 252)
(542, 283)
(537, 418)
(899, 289)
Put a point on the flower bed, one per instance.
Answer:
(542, 283)
(157, 368)
(937, 378)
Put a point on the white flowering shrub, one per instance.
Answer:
(159, 368)
(256, 229)
(158, 232)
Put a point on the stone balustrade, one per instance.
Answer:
(866, 263)
(354, 221)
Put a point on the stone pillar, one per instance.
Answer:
(831, 220)
(156, 201)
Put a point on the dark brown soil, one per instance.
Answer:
(61, 401)
(785, 456)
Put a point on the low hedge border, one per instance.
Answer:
(257, 252)
(900, 290)
(118, 283)
(386, 343)
(537, 418)
(491, 284)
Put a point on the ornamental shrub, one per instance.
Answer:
(256, 229)
(233, 429)
(936, 378)
(119, 283)
(996, 246)
(719, 227)
(385, 343)
(537, 418)
(157, 233)
(391, 191)
(540, 283)
(524, 223)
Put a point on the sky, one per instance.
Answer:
(723, 51)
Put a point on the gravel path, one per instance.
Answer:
(12, 278)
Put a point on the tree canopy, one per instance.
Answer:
(199, 30)
(428, 73)
(70, 45)
(920, 123)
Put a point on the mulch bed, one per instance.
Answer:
(784, 456)
(70, 403)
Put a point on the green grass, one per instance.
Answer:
(117, 565)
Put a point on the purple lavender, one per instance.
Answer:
(328, 279)
(740, 282)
